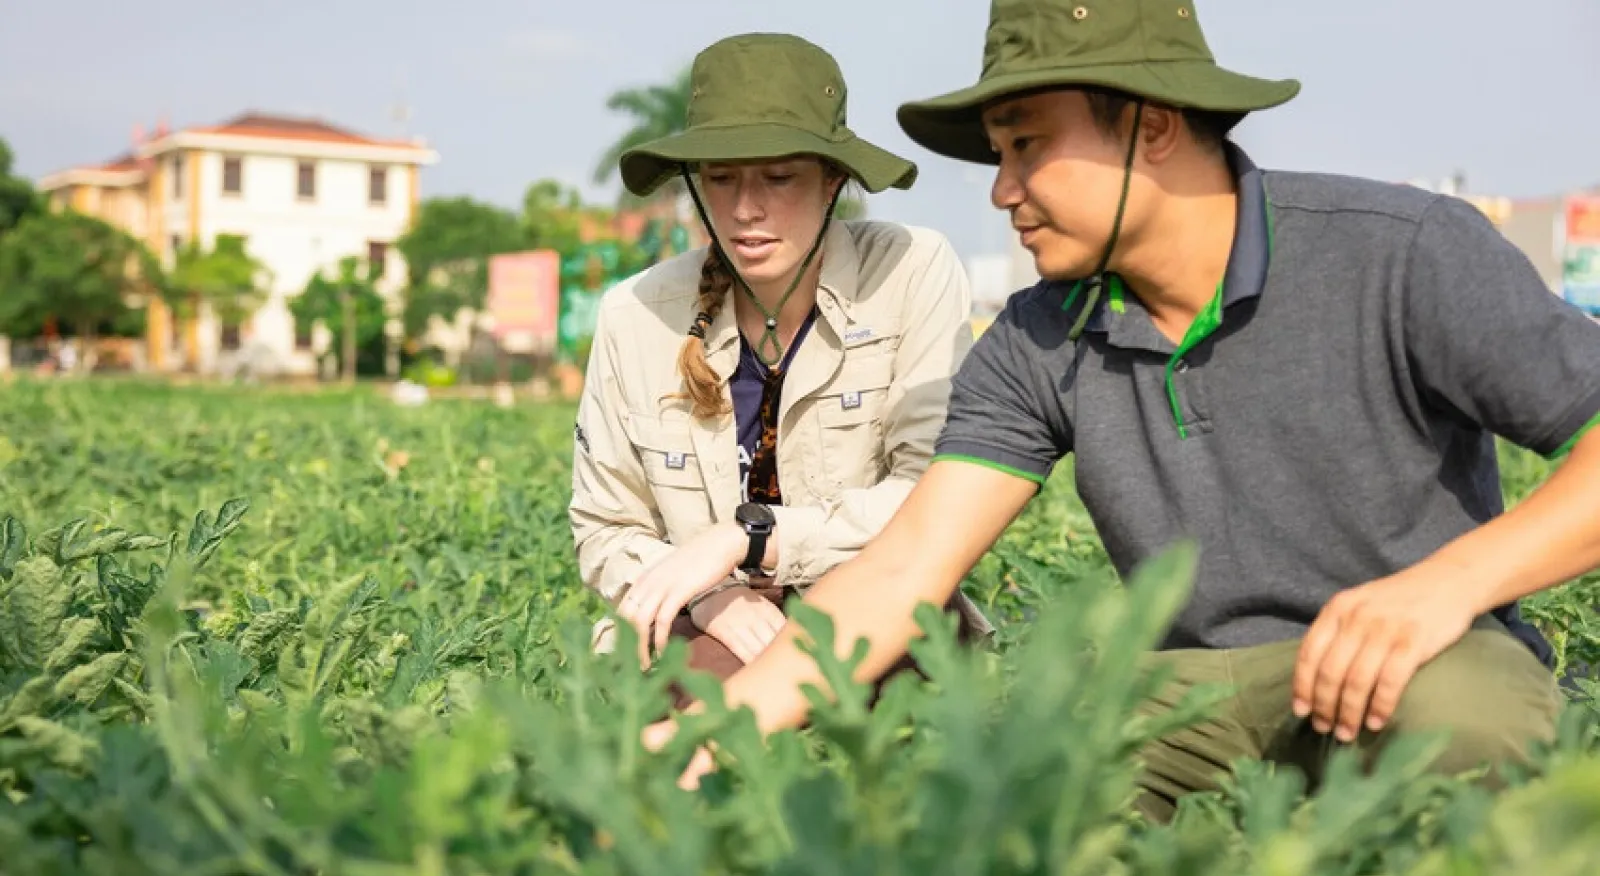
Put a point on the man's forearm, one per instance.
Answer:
(1551, 537)
(771, 685)
(950, 519)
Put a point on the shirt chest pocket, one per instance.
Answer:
(667, 453)
(851, 412)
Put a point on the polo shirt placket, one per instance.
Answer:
(1127, 325)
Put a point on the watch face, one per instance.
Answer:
(755, 512)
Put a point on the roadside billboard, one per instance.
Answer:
(524, 297)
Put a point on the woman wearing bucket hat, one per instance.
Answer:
(755, 412)
(1302, 374)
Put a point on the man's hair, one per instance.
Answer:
(1210, 129)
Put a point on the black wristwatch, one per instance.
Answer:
(757, 521)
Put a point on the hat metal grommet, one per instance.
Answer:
(1183, 12)
(830, 91)
(1080, 13)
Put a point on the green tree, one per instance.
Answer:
(226, 277)
(447, 256)
(657, 111)
(77, 269)
(17, 197)
(347, 303)
(552, 216)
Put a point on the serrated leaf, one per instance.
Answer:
(207, 534)
(62, 746)
(102, 543)
(78, 634)
(263, 630)
(223, 669)
(29, 700)
(106, 541)
(86, 683)
(135, 694)
(33, 610)
(256, 701)
(145, 542)
(49, 544)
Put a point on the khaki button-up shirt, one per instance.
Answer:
(863, 402)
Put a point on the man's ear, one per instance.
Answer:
(1160, 132)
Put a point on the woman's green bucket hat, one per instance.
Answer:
(1152, 49)
(759, 97)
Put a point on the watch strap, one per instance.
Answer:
(757, 550)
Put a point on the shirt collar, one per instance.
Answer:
(1246, 276)
(837, 291)
(1248, 259)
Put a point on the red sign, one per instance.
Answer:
(524, 293)
(1583, 220)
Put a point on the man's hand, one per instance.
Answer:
(1368, 642)
(740, 619)
(665, 588)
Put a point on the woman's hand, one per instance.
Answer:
(665, 588)
(657, 735)
(741, 619)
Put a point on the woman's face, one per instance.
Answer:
(767, 214)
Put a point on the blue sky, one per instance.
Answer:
(1508, 93)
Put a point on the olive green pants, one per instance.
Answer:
(1488, 690)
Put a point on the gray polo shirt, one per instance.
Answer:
(1328, 420)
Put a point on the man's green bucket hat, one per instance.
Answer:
(764, 96)
(1152, 49)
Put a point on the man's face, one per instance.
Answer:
(1059, 177)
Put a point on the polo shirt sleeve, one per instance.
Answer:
(997, 414)
(1487, 338)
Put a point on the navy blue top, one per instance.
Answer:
(746, 385)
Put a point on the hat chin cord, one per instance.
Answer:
(769, 337)
(1096, 281)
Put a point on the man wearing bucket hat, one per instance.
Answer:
(1302, 373)
(753, 413)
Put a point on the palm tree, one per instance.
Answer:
(657, 111)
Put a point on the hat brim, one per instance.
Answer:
(645, 168)
(951, 124)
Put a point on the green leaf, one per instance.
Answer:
(60, 745)
(79, 633)
(13, 540)
(134, 694)
(56, 540)
(264, 630)
(29, 700)
(207, 534)
(86, 683)
(223, 668)
(33, 610)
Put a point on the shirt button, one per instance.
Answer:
(1183, 365)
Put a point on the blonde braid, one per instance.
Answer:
(703, 387)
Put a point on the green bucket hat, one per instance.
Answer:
(764, 96)
(1152, 49)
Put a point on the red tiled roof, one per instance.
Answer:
(253, 124)
(121, 164)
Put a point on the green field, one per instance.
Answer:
(276, 632)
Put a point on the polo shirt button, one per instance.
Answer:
(1183, 365)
